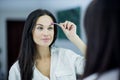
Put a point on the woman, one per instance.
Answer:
(37, 59)
(103, 46)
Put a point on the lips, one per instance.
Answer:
(45, 39)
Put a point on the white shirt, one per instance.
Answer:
(110, 75)
(65, 64)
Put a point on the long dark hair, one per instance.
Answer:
(27, 50)
(102, 30)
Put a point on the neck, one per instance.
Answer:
(43, 52)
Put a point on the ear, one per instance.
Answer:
(33, 29)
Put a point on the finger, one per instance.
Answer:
(62, 26)
(70, 25)
(66, 24)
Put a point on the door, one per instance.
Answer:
(14, 34)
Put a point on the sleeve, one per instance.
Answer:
(14, 73)
(79, 64)
(77, 61)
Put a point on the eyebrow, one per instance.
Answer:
(42, 24)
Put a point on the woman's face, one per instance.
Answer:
(43, 32)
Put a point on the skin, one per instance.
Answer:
(69, 28)
(43, 34)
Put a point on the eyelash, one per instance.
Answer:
(50, 28)
(41, 28)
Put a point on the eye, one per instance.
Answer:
(40, 28)
(50, 28)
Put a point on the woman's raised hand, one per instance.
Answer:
(69, 28)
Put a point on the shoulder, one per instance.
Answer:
(109, 75)
(14, 67)
(14, 72)
(91, 77)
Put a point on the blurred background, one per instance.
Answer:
(13, 14)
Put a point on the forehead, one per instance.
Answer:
(45, 19)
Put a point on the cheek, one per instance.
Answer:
(52, 33)
(36, 36)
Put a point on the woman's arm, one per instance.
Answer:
(69, 28)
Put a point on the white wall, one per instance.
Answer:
(14, 9)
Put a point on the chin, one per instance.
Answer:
(46, 45)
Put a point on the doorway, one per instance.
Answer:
(14, 34)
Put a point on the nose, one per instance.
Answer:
(45, 32)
